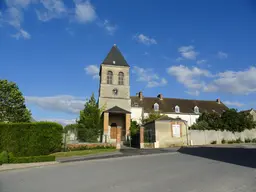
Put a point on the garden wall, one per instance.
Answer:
(198, 137)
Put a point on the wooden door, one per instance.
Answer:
(113, 132)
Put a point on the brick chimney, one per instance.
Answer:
(140, 95)
(218, 100)
(160, 96)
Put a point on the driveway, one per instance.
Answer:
(187, 171)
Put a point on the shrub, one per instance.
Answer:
(32, 159)
(238, 140)
(223, 141)
(30, 139)
(4, 157)
(213, 142)
(231, 141)
(78, 147)
(253, 140)
(247, 140)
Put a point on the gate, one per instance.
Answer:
(135, 140)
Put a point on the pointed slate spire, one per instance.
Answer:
(115, 57)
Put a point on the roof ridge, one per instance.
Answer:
(177, 98)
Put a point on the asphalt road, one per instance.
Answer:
(168, 172)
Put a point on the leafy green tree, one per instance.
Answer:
(71, 127)
(89, 123)
(134, 127)
(213, 120)
(201, 125)
(12, 103)
(151, 117)
(230, 120)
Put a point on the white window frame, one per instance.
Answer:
(156, 107)
(177, 109)
(176, 132)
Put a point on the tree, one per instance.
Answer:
(151, 117)
(70, 127)
(134, 127)
(230, 120)
(89, 121)
(12, 103)
(201, 125)
(213, 120)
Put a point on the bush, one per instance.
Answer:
(32, 159)
(231, 141)
(253, 140)
(247, 140)
(4, 157)
(223, 141)
(214, 142)
(238, 140)
(78, 147)
(30, 139)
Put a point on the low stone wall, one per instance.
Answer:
(197, 137)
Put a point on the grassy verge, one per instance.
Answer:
(82, 153)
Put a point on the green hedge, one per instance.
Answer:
(31, 139)
(31, 159)
(90, 146)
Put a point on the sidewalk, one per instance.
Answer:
(122, 153)
(6, 167)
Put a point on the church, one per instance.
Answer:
(119, 107)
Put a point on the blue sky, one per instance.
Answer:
(184, 49)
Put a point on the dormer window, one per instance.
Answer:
(196, 109)
(156, 107)
(177, 109)
(136, 104)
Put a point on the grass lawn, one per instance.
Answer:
(82, 153)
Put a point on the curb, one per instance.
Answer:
(9, 168)
(136, 152)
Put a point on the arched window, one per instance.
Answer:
(120, 78)
(109, 77)
(156, 107)
(196, 109)
(177, 109)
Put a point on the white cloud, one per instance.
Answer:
(189, 77)
(235, 82)
(195, 92)
(52, 9)
(145, 39)
(166, 58)
(13, 16)
(233, 103)
(22, 34)
(179, 59)
(84, 12)
(62, 103)
(200, 62)
(222, 55)
(19, 3)
(149, 76)
(108, 27)
(188, 52)
(70, 31)
(146, 53)
(63, 122)
(92, 70)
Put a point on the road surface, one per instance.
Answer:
(172, 172)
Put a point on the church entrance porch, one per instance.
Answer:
(114, 119)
